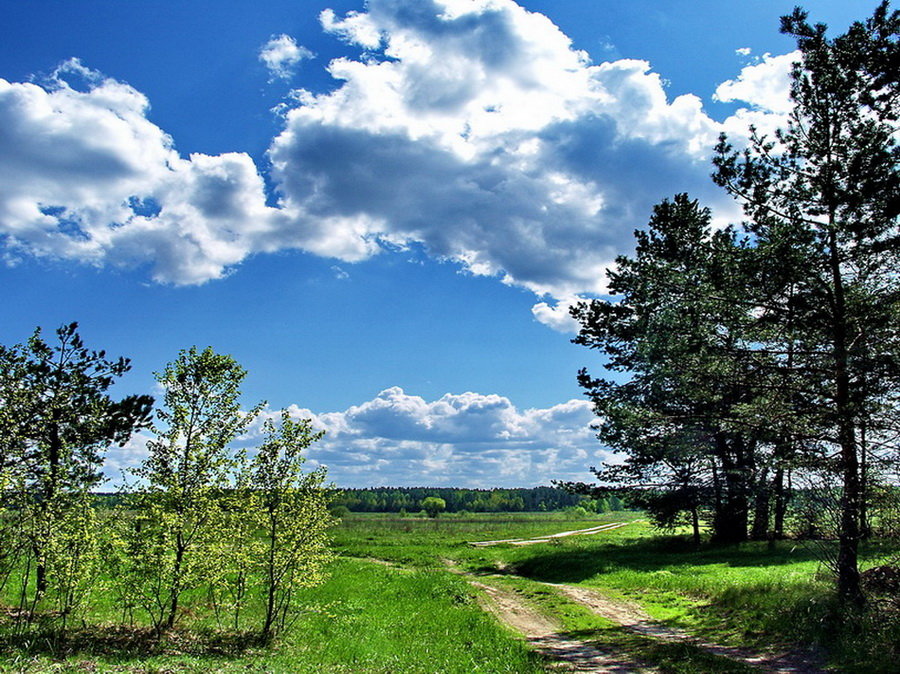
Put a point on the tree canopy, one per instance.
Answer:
(754, 351)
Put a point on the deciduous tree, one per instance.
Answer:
(185, 476)
(291, 511)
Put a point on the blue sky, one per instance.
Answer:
(381, 210)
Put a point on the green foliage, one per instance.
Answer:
(772, 352)
(433, 505)
(180, 506)
(677, 329)
(822, 198)
(291, 509)
(56, 421)
(394, 499)
(213, 530)
(339, 511)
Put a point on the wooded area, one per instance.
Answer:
(532, 499)
(202, 525)
(765, 357)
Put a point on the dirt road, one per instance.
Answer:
(546, 539)
(546, 637)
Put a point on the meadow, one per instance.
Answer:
(398, 599)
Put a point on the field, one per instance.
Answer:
(411, 595)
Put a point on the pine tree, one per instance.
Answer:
(824, 194)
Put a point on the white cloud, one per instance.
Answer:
(467, 439)
(85, 175)
(477, 130)
(471, 128)
(557, 316)
(282, 55)
(764, 85)
(120, 460)
(471, 439)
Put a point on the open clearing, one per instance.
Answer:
(537, 582)
(412, 595)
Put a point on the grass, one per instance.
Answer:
(753, 594)
(425, 542)
(366, 618)
(391, 605)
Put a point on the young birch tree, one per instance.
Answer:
(292, 512)
(186, 476)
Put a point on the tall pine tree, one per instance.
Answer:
(824, 194)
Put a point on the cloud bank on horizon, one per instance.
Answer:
(472, 129)
(399, 439)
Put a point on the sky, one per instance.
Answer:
(382, 210)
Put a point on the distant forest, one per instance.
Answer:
(409, 499)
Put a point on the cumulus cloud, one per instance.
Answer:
(282, 55)
(477, 130)
(467, 439)
(85, 175)
(765, 85)
(557, 316)
(120, 460)
(470, 128)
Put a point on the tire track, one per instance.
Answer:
(545, 636)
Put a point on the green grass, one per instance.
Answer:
(753, 594)
(426, 542)
(579, 622)
(411, 614)
(366, 618)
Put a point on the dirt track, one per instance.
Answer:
(580, 656)
(545, 636)
(547, 539)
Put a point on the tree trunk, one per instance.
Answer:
(54, 455)
(175, 587)
(695, 524)
(781, 497)
(730, 522)
(761, 509)
(271, 581)
(848, 550)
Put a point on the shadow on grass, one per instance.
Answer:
(572, 565)
(123, 642)
(663, 656)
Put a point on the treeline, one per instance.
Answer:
(533, 499)
(762, 361)
(205, 534)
